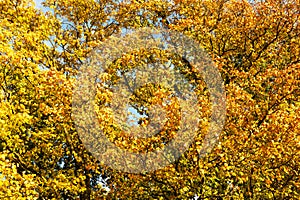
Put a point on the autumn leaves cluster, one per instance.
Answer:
(255, 46)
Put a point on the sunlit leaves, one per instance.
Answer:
(256, 47)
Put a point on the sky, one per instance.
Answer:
(38, 3)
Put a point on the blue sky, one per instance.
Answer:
(38, 3)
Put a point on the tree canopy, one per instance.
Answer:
(255, 45)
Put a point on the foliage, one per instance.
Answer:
(254, 44)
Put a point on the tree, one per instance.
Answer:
(255, 46)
